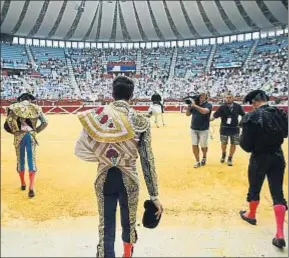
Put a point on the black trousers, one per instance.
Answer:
(271, 165)
(115, 187)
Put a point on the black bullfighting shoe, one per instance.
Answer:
(279, 242)
(23, 187)
(249, 220)
(31, 193)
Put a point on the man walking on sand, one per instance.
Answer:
(264, 131)
(200, 124)
(113, 137)
(22, 122)
(229, 113)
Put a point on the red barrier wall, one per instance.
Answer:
(73, 109)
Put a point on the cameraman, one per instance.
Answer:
(200, 110)
(229, 113)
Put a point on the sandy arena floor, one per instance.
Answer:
(201, 205)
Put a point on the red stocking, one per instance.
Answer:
(279, 211)
(21, 175)
(31, 180)
(252, 209)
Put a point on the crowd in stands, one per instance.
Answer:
(14, 56)
(156, 62)
(265, 69)
(232, 54)
(269, 65)
(97, 88)
(42, 88)
(55, 89)
(87, 62)
(191, 60)
(13, 86)
(120, 55)
(50, 61)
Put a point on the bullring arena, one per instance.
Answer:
(201, 205)
(67, 55)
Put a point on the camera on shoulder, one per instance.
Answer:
(190, 99)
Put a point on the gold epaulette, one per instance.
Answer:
(139, 122)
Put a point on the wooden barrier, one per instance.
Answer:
(74, 109)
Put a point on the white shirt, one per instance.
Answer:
(25, 127)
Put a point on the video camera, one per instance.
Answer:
(190, 99)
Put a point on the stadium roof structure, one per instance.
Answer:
(137, 21)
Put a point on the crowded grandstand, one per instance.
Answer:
(71, 70)
(49, 72)
(95, 93)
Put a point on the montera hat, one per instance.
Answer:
(149, 219)
(26, 96)
(256, 95)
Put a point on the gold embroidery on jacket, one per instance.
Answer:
(25, 110)
(17, 148)
(98, 186)
(125, 152)
(132, 190)
(148, 163)
(98, 125)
